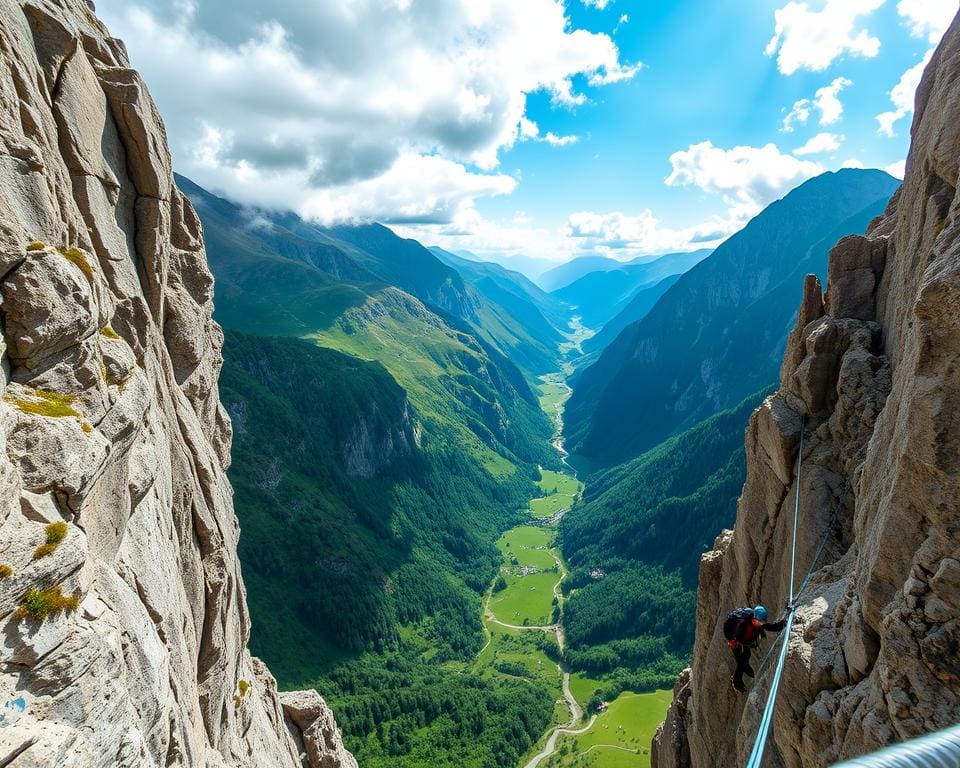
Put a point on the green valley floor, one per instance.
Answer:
(522, 618)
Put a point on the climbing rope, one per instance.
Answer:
(810, 571)
(756, 754)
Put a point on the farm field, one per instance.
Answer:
(619, 737)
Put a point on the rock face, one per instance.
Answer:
(123, 617)
(874, 370)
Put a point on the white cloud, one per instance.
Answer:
(806, 39)
(598, 4)
(902, 97)
(615, 234)
(745, 178)
(316, 106)
(826, 100)
(852, 162)
(928, 18)
(897, 169)
(822, 142)
(798, 115)
(559, 141)
(748, 178)
(622, 21)
(625, 236)
(530, 130)
(512, 237)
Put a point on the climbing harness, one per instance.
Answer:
(756, 754)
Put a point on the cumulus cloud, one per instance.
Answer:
(598, 4)
(902, 97)
(927, 18)
(625, 236)
(323, 107)
(822, 142)
(745, 178)
(748, 178)
(826, 101)
(807, 39)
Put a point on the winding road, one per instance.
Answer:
(576, 711)
(576, 714)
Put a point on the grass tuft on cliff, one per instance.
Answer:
(40, 603)
(56, 533)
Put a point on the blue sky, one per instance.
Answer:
(545, 127)
(706, 77)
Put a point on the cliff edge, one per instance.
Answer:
(123, 618)
(872, 371)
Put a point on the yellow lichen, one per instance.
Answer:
(40, 603)
(76, 257)
(5, 571)
(86, 427)
(243, 686)
(56, 533)
(45, 403)
(36, 245)
(109, 332)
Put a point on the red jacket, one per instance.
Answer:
(751, 632)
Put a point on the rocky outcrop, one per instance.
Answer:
(123, 618)
(871, 375)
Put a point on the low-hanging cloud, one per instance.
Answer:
(322, 107)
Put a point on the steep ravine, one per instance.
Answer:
(873, 367)
(123, 618)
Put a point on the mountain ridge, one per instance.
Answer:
(677, 363)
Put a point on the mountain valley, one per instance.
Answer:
(297, 489)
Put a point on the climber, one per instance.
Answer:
(744, 629)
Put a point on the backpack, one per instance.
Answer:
(734, 622)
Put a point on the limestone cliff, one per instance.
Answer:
(874, 369)
(123, 618)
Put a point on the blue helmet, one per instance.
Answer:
(760, 613)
